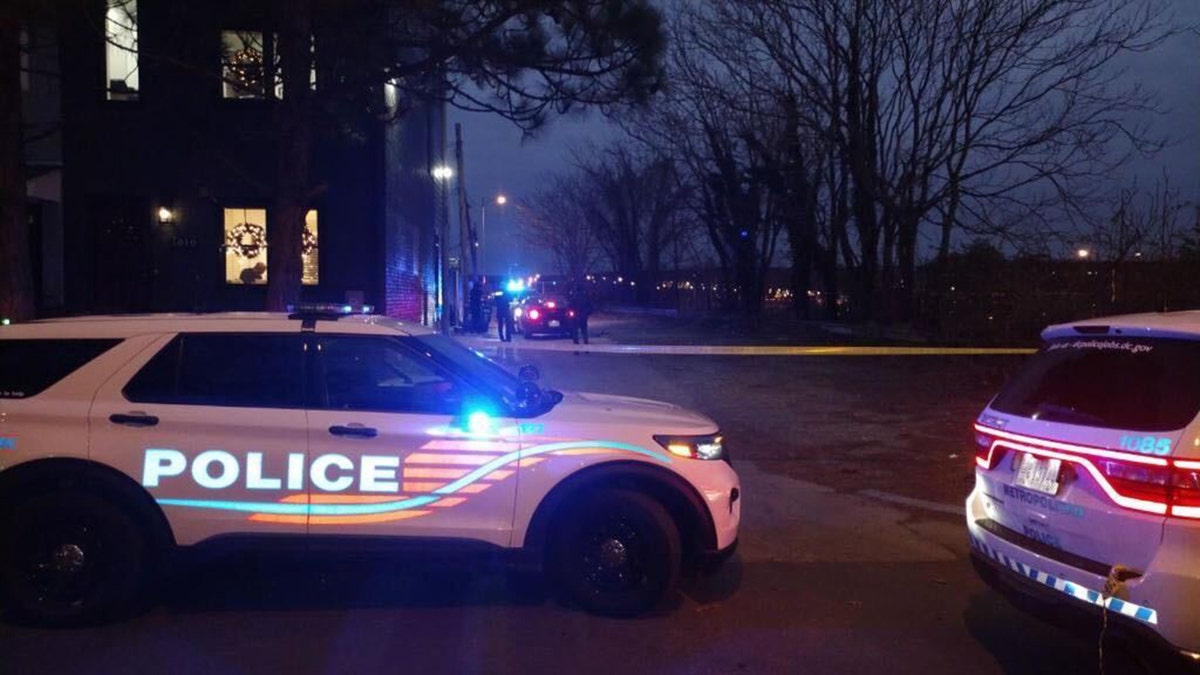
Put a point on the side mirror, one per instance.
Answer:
(528, 393)
(529, 373)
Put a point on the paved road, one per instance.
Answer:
(828, 579)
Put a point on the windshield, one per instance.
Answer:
(1135, 384)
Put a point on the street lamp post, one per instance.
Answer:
(501, 200)
(442, 175)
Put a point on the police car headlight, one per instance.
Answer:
(694, 447)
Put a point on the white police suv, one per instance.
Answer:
(1087, 488)
(124, 439)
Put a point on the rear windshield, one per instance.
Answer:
(28, 367)
(1109, 382)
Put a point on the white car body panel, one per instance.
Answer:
(479, 486)
(1084, 519)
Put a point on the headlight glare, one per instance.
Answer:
(694, 447)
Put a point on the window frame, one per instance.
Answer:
(1027, 392)
(108, 41)
(319, 392)
(101, 346)
(272, 75)
(315, 212)
(181, 338)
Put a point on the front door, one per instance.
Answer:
(390, 451)
(123, 254)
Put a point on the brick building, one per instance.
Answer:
(168, 112)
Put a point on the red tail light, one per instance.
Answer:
(534, 314)
(1185, 484)
(986, 455)
(1142, 483)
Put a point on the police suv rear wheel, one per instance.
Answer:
(617, 553)
(70, 558)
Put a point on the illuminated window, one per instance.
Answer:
(121, 50)
(248, 64)
(309, 251)
(246, 247)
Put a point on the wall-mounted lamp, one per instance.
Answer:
(165, 216)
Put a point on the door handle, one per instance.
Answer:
(137, 420)
(355, 431)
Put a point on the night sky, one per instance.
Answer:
(498, 160)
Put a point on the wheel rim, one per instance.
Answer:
(613, 556)
(63, 562)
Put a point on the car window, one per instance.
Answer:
(29, 367)
(380, 374)
(221, 369)
(479, 369)
(1134, 384)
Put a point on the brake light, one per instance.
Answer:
(987, 455)
(534, 314)
(1139, 481)
(1185, 486)
(1143, 483)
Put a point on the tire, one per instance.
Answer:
(71, 558)
(616, 553)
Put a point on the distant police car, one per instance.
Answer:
(124, 438)
(1087, 487)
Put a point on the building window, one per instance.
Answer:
(121, 50)
(248, 64)
(246, 247)
(309, 252)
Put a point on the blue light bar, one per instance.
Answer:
(328, 308)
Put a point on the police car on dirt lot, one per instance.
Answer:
(124, 439)
(1087, 488)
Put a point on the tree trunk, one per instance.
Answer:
(285, 223)
(16, 279)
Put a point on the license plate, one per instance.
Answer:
(554, 324)
(1039, 474)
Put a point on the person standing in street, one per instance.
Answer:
(581, 305)
(504, 324)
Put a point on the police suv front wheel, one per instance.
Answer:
(615, 553)
(70, 558)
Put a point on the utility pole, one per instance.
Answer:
(466, 234)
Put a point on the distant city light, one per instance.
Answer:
(165, 215)
(1083, 253)
(501, 200)
(442, 172)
